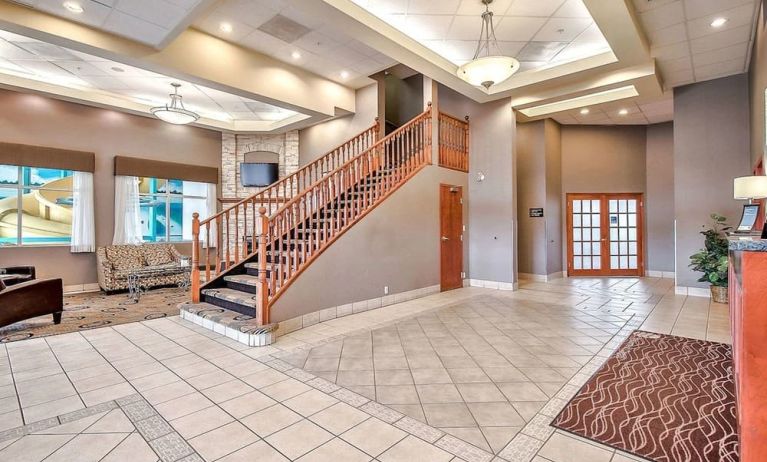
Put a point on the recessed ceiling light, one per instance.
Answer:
(74, 7)
(344, 75)
(623, 111)
(585, 111)
(718, 22)
(225, 27)
(295, 55)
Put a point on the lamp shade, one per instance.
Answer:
(750, 187)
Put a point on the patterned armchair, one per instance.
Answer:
(117, 262)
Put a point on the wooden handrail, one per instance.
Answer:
(231, 231)
(453, 142)
(332, 205)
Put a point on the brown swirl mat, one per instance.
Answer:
(97, 309)
(661, 397)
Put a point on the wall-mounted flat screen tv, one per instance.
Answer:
(258, 174)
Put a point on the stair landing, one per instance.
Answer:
(236, 326)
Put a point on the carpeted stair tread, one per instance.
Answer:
(231, 295)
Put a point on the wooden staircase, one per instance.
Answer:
(266, 241)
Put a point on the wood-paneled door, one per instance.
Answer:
(451, 236)
(605, 234)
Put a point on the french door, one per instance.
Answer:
(604, 234)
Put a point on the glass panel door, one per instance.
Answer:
(604, 234)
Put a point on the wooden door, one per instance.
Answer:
(451, 236)
(605, 234)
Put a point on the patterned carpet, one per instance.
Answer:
(665, 398)
(96, 309)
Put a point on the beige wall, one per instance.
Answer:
(553, 135)
(396, 245)
(758, 85)
(659, 206)
(36, 120)
(318, 140)
(531, 192)
(711, 148)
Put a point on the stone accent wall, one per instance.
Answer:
(234, 147)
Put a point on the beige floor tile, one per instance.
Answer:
(200, 422)
(87, 447)
(247, 404)
(299, 439)
(431, 376)
(355, 378)
(336, 450)
(448, 415)
(52, 409)
(339, 418)
(480, 393)
(373, 436)
(133, 449)
(468, 375)
(411, 448)
(222, 441)
(110, 393)
(114, 421)
(258, 451)
(522, 391)
(270, 420)
(310, 402)
(441, 393)
(226, 391)
(562, 448)
(471, 435)
(285, 390)
(397, 394)
(495, 414)
(499, 437)
(393, 377)
(183, 405)
(34, 448)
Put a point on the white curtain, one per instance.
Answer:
(83, 224)
(127, 215)
(211, 203)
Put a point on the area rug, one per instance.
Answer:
(661, 397)
(93, 310)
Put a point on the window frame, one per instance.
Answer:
(168, 199)
(20, 187)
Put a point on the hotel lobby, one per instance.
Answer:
(383, 230)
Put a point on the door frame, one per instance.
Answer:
(604, 226)
(442, 286)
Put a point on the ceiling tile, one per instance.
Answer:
(515, 29)
(537, 8)
(673, 51)
(212, 25)
(388, 6)
(723, 54)
(701, 8)
(134, 28)
(663, 16)
(540, 51)
(428, 27)
(721, 39)
(94, 13)
(158, 12)
(246, 11)
(673, 65)
(573, 9)
(448, 7)
(476, 8)
(669, 35)
(465, 28)
(562, 29)
(647, 5)
(720, 69)
(740, 16)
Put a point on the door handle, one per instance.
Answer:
(445, 238)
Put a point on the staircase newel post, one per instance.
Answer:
(262, 294)
(376, 131)
(195, 257)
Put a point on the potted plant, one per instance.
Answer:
(713, 259)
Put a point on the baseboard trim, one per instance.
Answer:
(327, 314)
(82, 288)
(541, 277)
(693, 291)
(493, 284)
(660, 274)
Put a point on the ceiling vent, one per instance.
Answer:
(284, 29)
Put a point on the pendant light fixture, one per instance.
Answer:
(489, 67)
(175, 112)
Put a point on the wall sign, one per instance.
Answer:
(536, 212)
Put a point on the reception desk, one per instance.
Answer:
(748, 315)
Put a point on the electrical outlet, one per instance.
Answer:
(386, 290)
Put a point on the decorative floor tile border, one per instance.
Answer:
(51, 422)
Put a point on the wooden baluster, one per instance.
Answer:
(195, 276)
(236, 235)
(262, 291)
(207, 250)
(228, 260)
(466, 145)
(245, 228)
(219, 249)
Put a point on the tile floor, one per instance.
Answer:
(473, 374)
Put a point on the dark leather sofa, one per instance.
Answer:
(21, 273)
(35, 297)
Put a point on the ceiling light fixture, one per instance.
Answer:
(585, 111)
(175, 112)
(488, 67)
(73, 7)
(623, 111)
(718, 22)
(344, 75)
(295, 55)
(225, 27)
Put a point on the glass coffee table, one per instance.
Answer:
(135, 277)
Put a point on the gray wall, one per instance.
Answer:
(493, 215)
(31, 119)
(711, 148)
(554, 225)
(318, 140)
(659, 204)
(404, 98)
(396, 245)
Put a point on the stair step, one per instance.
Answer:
(242, 282)
(231, 299)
